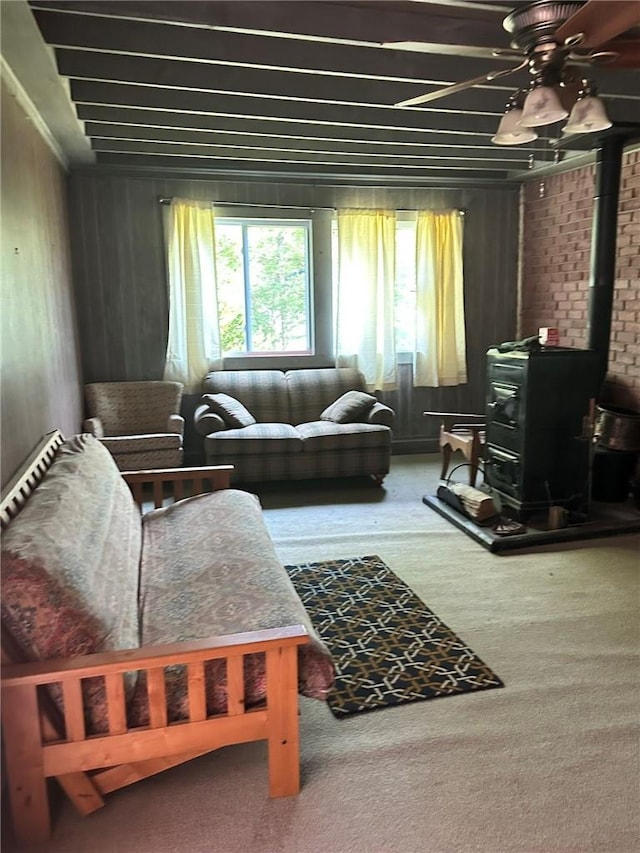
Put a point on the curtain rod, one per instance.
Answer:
(254, 204)
(461, 210)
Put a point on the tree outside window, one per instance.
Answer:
(264, 285)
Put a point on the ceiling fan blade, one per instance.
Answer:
(627, 53)
(442, 93)
(599, 57)
(450, 50)
(460, 87)
(600, 21)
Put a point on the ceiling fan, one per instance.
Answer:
(553, 36)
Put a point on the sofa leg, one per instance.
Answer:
(284, 738)
(284, 769)
(378, 479)
(25, 771)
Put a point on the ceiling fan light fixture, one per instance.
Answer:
(511, 131)
(589, 114)
(542, 106)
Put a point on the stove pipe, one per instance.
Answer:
(603, 248)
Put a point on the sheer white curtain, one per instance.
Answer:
(365, 334)
(440, 353)
(193, 346)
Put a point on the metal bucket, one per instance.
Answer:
(618, 429)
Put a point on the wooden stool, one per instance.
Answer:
(464, 432)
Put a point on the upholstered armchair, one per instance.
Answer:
(138, 422)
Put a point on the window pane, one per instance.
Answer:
(278, 287)
(230, 283)
(405, 289)
(263, 286)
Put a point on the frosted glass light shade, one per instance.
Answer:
(588, 115)
(542, 106)
(511, 132)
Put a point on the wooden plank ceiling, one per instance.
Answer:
(299, 90)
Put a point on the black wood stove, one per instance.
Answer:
(539, 405)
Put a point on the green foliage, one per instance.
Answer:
(277, 263)
(277, 258)
(232, 338)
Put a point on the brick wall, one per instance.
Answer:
(556, 256)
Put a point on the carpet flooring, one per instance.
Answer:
(548, 764)
(388, 647)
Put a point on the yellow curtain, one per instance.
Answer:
(440, 355)
(193, 346)
(365, 336)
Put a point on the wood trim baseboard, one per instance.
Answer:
(402, 446)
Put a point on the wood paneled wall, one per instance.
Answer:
(40, 373)
(120, 282)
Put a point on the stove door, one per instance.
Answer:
(504, 404)
(502, 470)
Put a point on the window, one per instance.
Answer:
(264, 285)
(405, 286)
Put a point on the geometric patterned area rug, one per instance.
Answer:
(388, 647)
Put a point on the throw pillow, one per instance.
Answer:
(233, 413)
(348, 408)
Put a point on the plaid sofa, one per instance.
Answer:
(289, 440)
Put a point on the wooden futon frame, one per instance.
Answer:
(41, 742)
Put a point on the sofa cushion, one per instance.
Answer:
(327, 435)
(83, 527)
(145, 461)
(73, 552)
(209, 568)
(45, 619)
(233, 413)
(350, 407)
(312, 390)
(142, 443)
(254, 440)
(263, 392)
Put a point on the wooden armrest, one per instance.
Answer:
(463, 417)
(217, 476)
(146, 657)
(150, 475)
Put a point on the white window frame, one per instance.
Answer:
(319, 287)
(245, 224)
